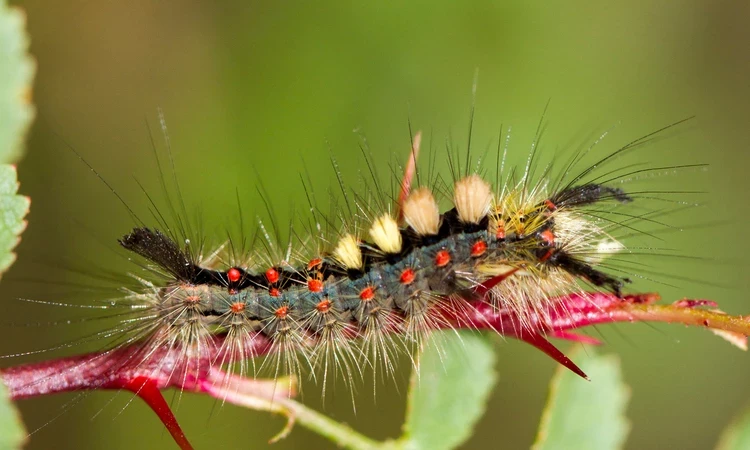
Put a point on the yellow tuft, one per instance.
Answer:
(385, 233)
(473, 198)
(347, 252)
(421, 212)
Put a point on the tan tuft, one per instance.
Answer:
(473, 198)
(347, 252)
(385, 234)
(421, 212)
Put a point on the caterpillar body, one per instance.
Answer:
(393, 273)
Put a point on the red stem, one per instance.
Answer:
(146, 370)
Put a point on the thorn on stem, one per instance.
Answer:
(147, 389)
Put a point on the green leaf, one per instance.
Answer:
(16, 73)
(12, 433)
(737, 435)
(13, 208)
(16, 112)
(584, 414)
(449, 393)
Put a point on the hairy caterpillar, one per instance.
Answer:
(389, 269)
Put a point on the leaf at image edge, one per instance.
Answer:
(584, 414)
(13, 435)
(737, 435)
(13, 209)
(449, 394)
(16, 75)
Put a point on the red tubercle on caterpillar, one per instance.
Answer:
(407, 276)
(281, 312)
(192, 299)
(323, 306)
(274, 292)
(548, 236)
(234, 274)
(237, 307)
(550, 206)
(478, 248)
(272, 275)
(367, 294)
(314, 264)
(500, 232)
(314, 285)
(442, 258)
(547, 255)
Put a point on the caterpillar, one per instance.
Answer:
(386, 276)
(375, 278)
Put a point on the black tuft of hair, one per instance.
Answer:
(158, 248)
(588, 194)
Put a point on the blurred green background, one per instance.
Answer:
(252, 88)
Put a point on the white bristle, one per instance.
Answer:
(385, 234)
(421, 212)
(347, 252)
(473, 198)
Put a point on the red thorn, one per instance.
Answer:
(574, 337)
(538, 341)
(146, 389)
(485, 287)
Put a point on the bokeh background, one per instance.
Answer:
(256, 92)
